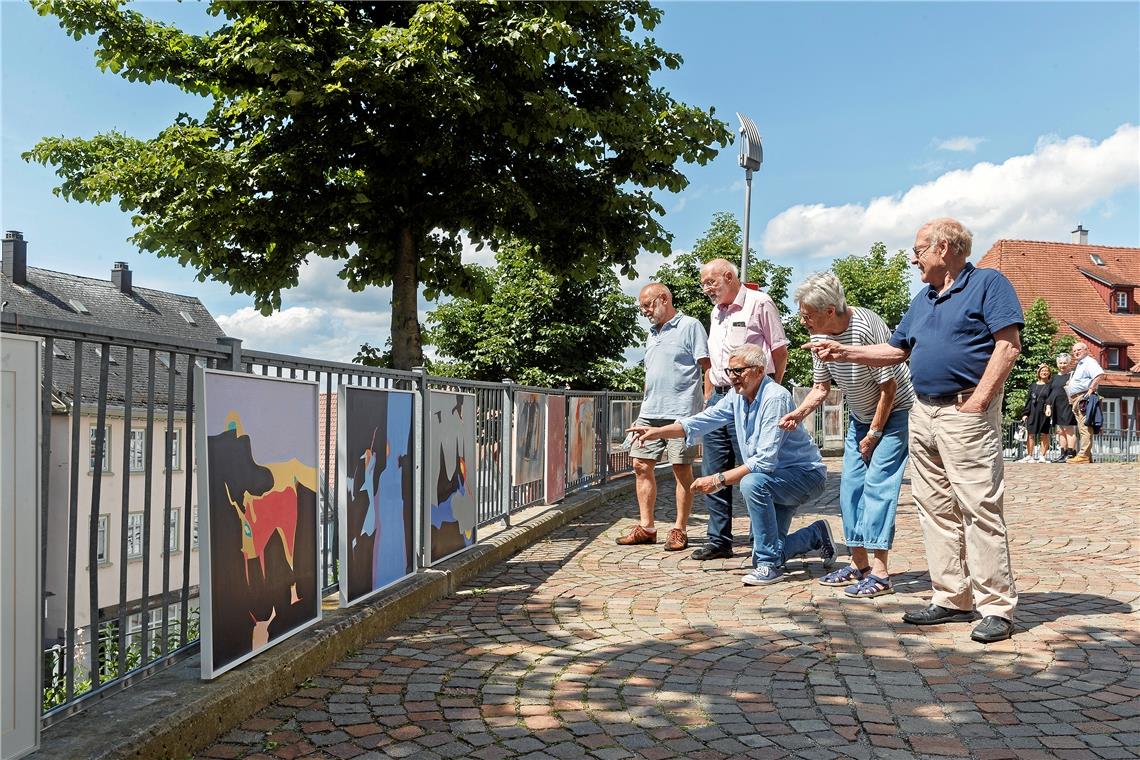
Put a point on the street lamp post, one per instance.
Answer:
(750, 158)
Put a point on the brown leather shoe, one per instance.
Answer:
(676, 540)
(638, 535)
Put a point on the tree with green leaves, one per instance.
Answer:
(877, 282)
(538, 328)
(1039, 345)
(375, 133)
(722, 240)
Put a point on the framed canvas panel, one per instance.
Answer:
(449, 481)
(555, 449)
(622, 415)
(21, 610)
(377, 482)
(529, 438)
(257, 471)
(583, 436)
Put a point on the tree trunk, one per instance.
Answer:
(407, 344)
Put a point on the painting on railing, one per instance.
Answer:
(259, 569)
(450, 498)
(582, 434)
(555, 449)
(377, 463)
(528, 437)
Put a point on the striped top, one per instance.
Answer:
(859, 383)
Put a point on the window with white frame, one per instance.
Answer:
(106, 449)
(1110, 408)
(135, 535)
(102, 538)
(194, 530)
(1121, 300)
(138, 451)
(175, 532)
(1114, 358)
(175, 449)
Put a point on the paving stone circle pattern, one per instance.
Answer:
(578, 647)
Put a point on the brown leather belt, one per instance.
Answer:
(949, 398)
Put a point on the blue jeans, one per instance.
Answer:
(869, 492)
(772, 499)
(721, 453)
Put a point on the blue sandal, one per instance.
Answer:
(871, 586)
(843, 576)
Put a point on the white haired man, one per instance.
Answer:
(961, 334)
(676, 357)
(740, 317)
(875, 451)
(1086, 376)
(782, 469)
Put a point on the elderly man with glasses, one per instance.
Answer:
(1082, 383)
(782, 469)
(961, 334)
(740, 316)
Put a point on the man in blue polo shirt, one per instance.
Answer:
(676, 357)
(961, 335)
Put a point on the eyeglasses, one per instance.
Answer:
(647, 305)
(920, 252)
(710, 282)
(739, 371)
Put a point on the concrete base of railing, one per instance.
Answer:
(173, 713)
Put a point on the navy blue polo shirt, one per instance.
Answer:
(950, 336)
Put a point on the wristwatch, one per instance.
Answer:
(875, 433)
(720, 480)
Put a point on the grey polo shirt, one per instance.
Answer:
(673, 378)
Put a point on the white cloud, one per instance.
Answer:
(961, 144)
(1035, 196)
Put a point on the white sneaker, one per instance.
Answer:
(1041, 458)
(1027, 459)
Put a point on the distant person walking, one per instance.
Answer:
(875, 451)
(676, 357)
(1037, 415)
(1083, 383)
(962, 336)
(1064, 422)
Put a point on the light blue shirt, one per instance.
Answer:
(764, 446)
(1087, 370)
(674, 385)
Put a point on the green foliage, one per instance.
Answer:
(722, 240)
(798, 370)
(374, 133)
(877, 282)
(1039, 345)
(538, 328)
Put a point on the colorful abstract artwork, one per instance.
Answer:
(555, 449)
(582, 438)
(377, 482)
(259, 547)
(529, 437)
(449, 485)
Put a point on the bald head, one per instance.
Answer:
(655, 290)
(656, 303)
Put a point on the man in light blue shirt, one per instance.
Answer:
(782, 468)
(676, 357)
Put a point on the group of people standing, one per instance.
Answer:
(929, 391)
(1065, 401)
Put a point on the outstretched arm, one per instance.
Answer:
(876, 355)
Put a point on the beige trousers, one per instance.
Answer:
(1084, 432)
(959, 487)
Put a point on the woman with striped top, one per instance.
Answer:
(875, 450)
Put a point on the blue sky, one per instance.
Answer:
(1021, 119)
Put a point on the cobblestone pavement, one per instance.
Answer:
(581, 648)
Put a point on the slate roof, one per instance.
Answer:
(49, 294)
(1063, 274)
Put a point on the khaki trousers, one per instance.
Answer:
(1084, 433)
(959, 487)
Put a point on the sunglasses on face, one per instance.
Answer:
(738, 371)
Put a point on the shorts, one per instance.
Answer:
(674, 449)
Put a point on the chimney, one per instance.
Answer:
(16, 257)
(1081, 235)
(121, 276)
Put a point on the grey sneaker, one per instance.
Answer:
(827, 550)
(763, 575)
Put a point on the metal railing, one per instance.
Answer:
(1109, 445)
(119, 485)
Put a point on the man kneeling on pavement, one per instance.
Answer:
(782, 469)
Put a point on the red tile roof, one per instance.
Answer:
(1063, 274)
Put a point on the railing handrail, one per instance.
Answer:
(66, 329)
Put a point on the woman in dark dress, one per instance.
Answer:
(1063, 418)
(1037, 416)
